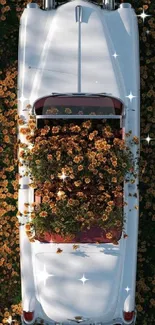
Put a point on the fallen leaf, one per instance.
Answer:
(59, 251)
(75, 247)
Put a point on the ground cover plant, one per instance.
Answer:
(10, 296)
(89, 153)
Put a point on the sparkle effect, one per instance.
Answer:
(22, 99)
(143, 15)
(147, 32)
(9, 320)
(148, 139)
(115, 55)
(63, 176)
(43, 275)
(83, 279)
(130, 96)
(127, 289)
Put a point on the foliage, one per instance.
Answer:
(94, 162)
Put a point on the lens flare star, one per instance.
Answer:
(22, 99)
(127, 289)
(83, 279)
(9, 320)
(43, 275)
(63, 176)
(130, 96)
(115, 55)
(148, 139)
(143, 15)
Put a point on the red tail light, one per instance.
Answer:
(128, 316)
(28, 315)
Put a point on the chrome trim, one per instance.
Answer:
(78, 116)
(125, 5)
(109, 4)
(32, 5)
(48, 4)
(24, 187)
(78, 16)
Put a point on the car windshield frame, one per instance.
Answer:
(106, 102)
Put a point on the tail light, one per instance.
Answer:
(28, 316)
(128, 316)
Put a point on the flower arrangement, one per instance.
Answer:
(77, 168)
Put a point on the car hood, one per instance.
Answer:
(52, 53)
(84, 282)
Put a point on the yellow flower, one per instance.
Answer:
(77, 183)
(104, 217)
(68, 110)
(87, 180)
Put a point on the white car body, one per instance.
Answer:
(49, 61)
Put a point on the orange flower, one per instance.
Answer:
(27, 226)
(114, 180)
(57, 229)
(55, 129)
(6, 139)
(43, 214)
(135, 140)
(80, 167)
(25, 130)
(110, 203)
(109, 235)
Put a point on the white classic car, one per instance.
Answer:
(80, 54)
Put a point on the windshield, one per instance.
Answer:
(78, 105)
